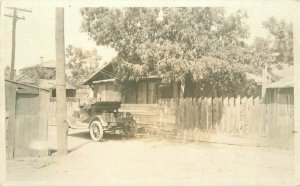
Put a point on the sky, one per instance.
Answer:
(35, 36)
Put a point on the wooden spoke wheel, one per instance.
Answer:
(96, 130)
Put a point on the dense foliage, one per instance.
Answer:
(276, 49)
(281, 34)
(82, 64)
(37, 72)
(178, 44)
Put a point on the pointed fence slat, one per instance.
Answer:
(247, 117)
(244, 116)
(203, 117)
(209, 114)
(237, 111)
(231, 115)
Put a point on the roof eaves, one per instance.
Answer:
(25, 84)
(88, 81)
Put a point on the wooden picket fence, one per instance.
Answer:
(68, 99)
(241, 121)
(233, 116)
(228, 120)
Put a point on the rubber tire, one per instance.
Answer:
(98, 124)
(133, 131)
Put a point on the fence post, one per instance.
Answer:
(250, 115)
(219, 113)
(203, 121)
(244, 113)
(209, 113)
(224, 114)
(238, 115)
(231, 118)
(214, 113)
(257, 119)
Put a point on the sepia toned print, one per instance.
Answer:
(171, 95)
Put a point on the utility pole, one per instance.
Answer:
(14, 24)
(61, 106)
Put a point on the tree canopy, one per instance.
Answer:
(276, 49)
(37, 72)
(174, 43)
(281, 34)
(82, 63)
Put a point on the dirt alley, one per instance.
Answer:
(151, 161)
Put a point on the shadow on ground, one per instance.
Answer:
(78, 146)
(106, 137)
(81, 134)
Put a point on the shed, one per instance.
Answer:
(50, 84)
(26, 110)
(283, 87)
(145, 91)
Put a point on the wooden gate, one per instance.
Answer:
(27, 120)
(30, 134)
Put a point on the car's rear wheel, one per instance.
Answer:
(130, 129)
(96, 130)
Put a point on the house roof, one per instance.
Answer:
(23, 78)
(24, 85)
(286, 82)
(256, 78)
(278, 74)
(51, 83)
(285, 77)
(113, 80)
(48, 64)
(102, 73)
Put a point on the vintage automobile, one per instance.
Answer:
(104, 117)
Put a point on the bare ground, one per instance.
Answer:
(145, 160)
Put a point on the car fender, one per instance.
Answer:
(99, 118)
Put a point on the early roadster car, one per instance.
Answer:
(104, 117)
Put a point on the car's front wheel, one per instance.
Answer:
(96, 130)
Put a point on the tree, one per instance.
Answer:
(274, 50)
(82, 63)
(282, 40)
(37, 72)
(261, 54)
(221, 78)
(168, 42)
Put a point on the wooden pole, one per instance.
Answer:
(61, 107)
(15, 17)
(14, 24)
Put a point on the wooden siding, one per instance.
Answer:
(130, 96)
(142, 92)
(146, 91)
(10, 107)
(152, 93)
(144, 114)
(27, 104)
(29, 134)
(107, 92)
